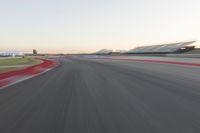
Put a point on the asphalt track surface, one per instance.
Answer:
(104, 96)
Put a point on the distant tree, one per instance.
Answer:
(34, 51)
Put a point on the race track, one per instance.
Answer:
(104, 96)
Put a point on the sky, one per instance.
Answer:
(84, 26)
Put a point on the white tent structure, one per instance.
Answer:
(10, 54)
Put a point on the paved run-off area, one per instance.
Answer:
(104, 96)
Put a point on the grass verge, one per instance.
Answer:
(16, 63)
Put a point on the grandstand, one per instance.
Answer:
(179, 47)
(104, 52)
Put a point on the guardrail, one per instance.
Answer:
(184, 55)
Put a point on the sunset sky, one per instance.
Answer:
(89, 25)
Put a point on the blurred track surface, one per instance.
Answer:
(104, 96)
